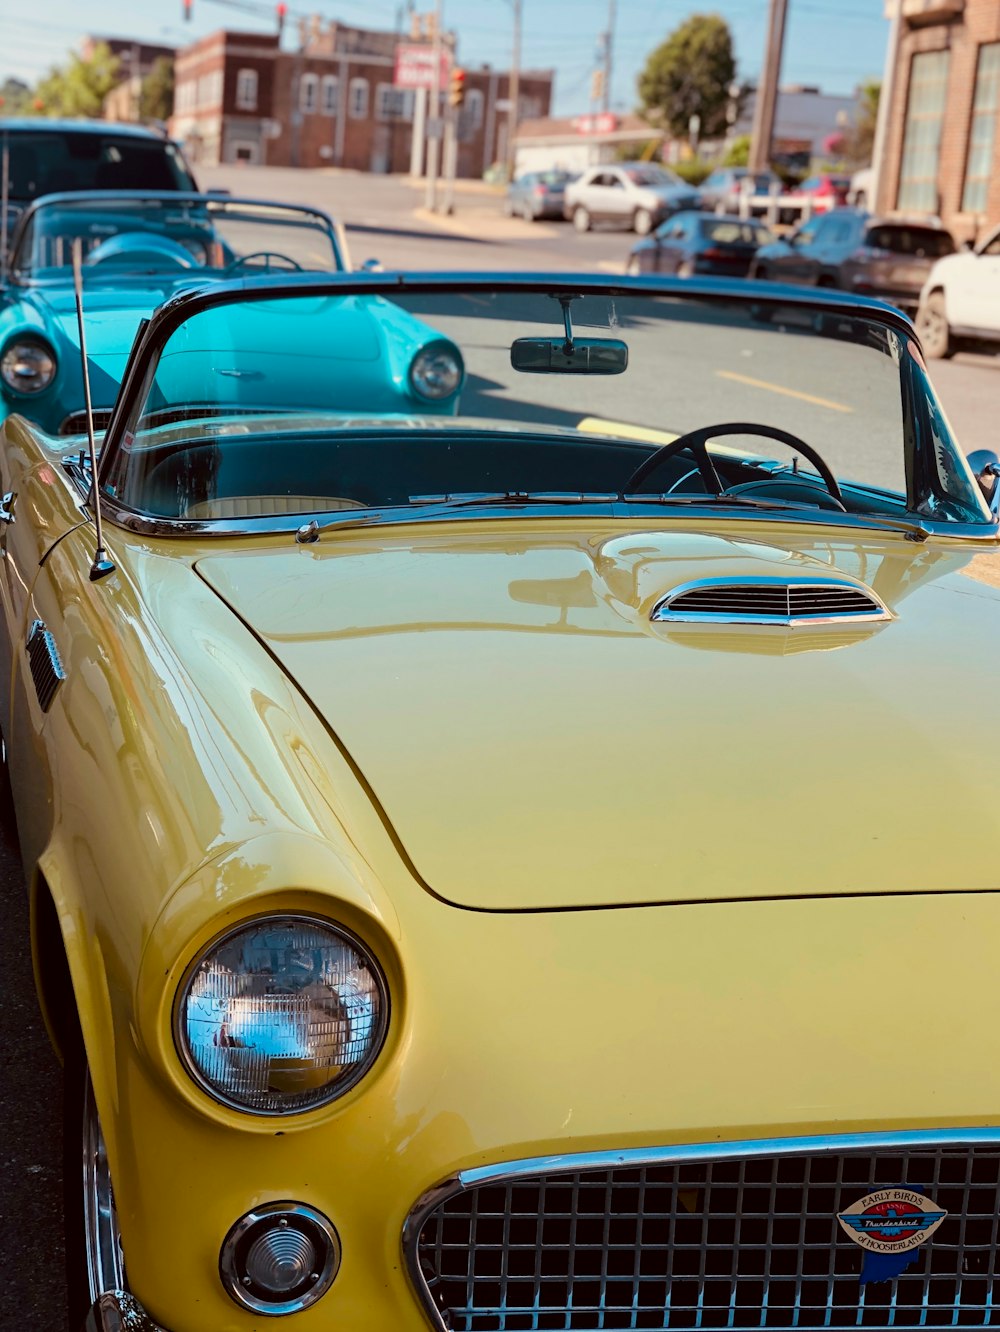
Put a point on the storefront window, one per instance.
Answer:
(982, 132)
(918, 177)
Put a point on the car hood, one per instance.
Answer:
(534, 741)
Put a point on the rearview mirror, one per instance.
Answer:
(558, 356)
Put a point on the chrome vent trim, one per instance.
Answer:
(757, 1218)
(46, 666)
(76, 422)
(786, 602)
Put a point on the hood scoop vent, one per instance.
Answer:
(786, 602)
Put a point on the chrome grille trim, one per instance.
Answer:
(76, 422)
(886, 1308)
(783, 601)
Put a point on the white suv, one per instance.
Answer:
(960, 301)
(638, 195)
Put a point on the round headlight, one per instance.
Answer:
(282, 1015)
(28, 365)
(437, 371)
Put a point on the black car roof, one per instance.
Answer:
(43, 125)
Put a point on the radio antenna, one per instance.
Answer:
(101, 566)
(4, 196)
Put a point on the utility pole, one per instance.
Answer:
(893, 11)
(609, 44)
(767, 89)
(434, 125)
(514, 89)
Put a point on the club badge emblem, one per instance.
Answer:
(890, 1224)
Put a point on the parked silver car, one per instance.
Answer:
(537, 194)
(636, 195)
(722, 191)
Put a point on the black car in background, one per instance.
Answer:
(848, 248)
(57, 156)
(691, 243)
(537, 194)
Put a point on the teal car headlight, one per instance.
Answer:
(28, 365)
(281, 1015)
(436, 371)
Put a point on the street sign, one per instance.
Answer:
(415, 67)
(604, 123)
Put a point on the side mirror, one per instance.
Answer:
(370, 266)
(986, 469)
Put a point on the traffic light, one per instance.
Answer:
(186, 5)
(456, 88)
(281, 10)
(597, 85)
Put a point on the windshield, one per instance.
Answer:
(726, 231)
(317, 403)
(52, 161)
(922, 242)
(174, 236)
(652, 175)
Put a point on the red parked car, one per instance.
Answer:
(826, 191)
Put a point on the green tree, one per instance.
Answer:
(15, 97)
(738, 152)
(80, 87)
(859, 141)
(156, 95)
(689, 75)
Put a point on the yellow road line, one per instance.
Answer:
(788, 393)
(596, 425)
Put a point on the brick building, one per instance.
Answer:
(239, 98)
(942, 152)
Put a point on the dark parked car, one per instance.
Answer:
(722, 190)
(537, 194)
(691, 243)
(885, 257)
(59, 156)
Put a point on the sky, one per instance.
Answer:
(833, 43)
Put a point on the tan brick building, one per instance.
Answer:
(239, 97)
(943, 144)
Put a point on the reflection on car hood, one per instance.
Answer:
(535, 741)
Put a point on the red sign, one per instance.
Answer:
(605, 123)
(415, 67)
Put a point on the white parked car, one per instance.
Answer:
(960, 301)
(637, 195)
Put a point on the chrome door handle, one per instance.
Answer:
(7, 507)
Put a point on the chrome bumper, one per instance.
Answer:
(116, 1311)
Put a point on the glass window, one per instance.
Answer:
(50, 161)
(393, 103)
(331, 93)
(308, 93)
(474, 108)
(246, 90)
(924, 242)
(357, 104)
(918, 176)
(982, 132)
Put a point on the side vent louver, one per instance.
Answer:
(46, 668)
(762, 601)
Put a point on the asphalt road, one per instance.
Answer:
(383, 220)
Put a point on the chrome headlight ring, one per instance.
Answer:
(281, 1015)
(28, 365)
(437, 371)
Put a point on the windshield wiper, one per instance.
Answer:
(460, 500)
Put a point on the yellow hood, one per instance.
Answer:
(535, 741)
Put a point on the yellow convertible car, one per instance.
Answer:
(529, 867)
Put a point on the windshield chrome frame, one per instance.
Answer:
(211, 295)
(46, 202)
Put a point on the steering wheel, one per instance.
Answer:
(267, 256)
(144, 247)
(697, 442)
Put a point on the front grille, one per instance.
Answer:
(768, 600)
(736, 1244)
(76, 422)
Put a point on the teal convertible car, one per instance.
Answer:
(139, 250)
